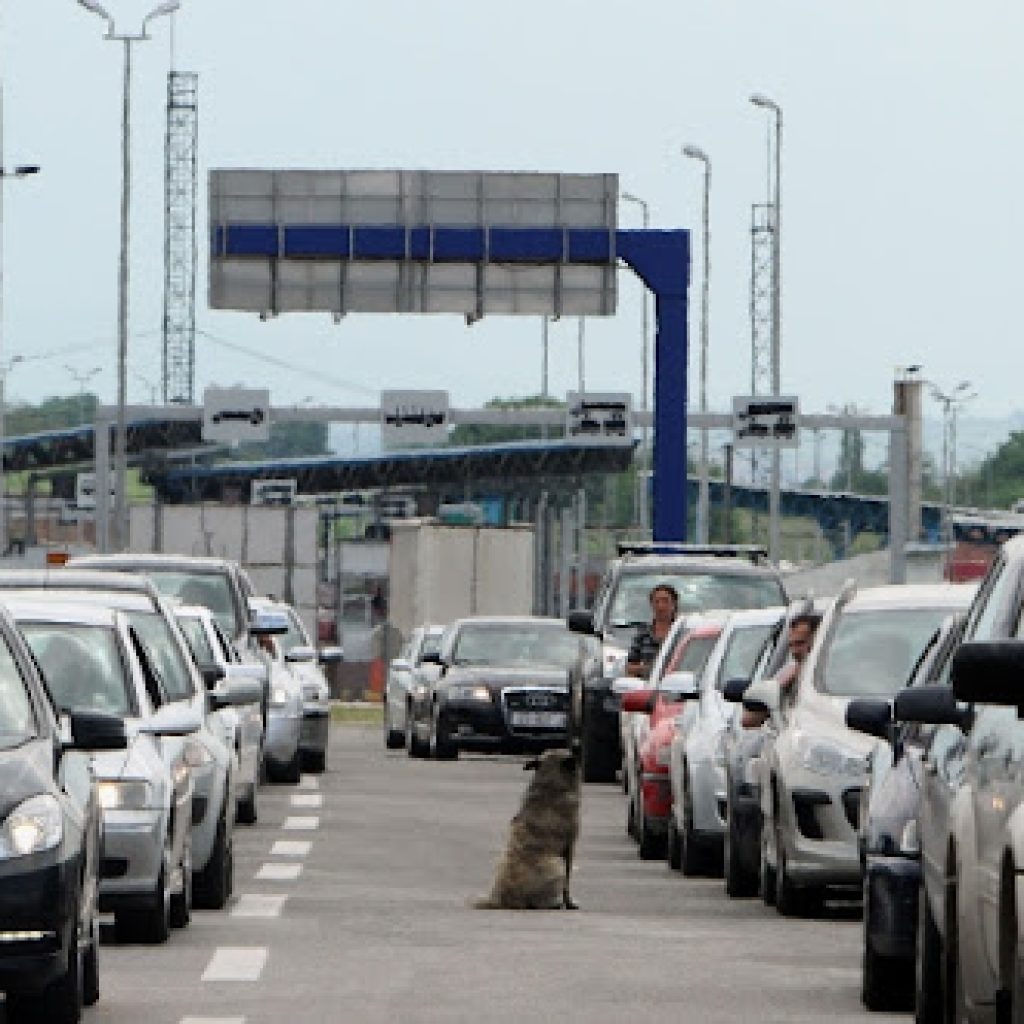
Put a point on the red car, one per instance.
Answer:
(650, 792)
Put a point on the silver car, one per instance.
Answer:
(697, 821)
(154, 626)
(306, 661)
(242, 724)
(402, 676)
(813, 765)
(90, 662)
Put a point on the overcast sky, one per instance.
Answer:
(902, 171)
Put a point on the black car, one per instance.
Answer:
(726, 576)
(889, 833)
(50, 844)
(503, 685)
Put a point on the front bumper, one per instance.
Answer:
(890, 905)
(133, 846)
(490, 725)
(38, 911)
(284, 730)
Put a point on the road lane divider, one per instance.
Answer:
(291, 848)
(307, 800)
(278, 872)
(236, 963)
(301, 823)
(252, 904)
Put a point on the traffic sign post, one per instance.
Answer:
(597, 417)
(233, 415)
(761, 421)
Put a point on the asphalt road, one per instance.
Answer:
(371, 921)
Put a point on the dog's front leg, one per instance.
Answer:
(567, 901)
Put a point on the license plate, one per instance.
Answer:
(539, 719)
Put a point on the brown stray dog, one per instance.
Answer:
(534, 872)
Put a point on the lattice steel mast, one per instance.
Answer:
(180, 237)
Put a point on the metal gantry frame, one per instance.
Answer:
(180, 184)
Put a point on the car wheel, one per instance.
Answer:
(441, 746)
(739, 881)
(767, 880)
(787, 897)
(673, 853)
(952, 969)
(694, 858)
(314, 761)
(153, 924)
(290, 772)
(413, 744)
(91, 966)
(630, 816)
(394, 739)
(212, 886)
(598, 763)
(247, 812)
(651, 844)
(181, 902)
(61, 1001)
(928, 1005)
(883, 979)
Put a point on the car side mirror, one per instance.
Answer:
(581, 622)
(639, 701)
(267, 623)
(931, 705)
(871, 717)
(95, 730)
(247, 670)
(762, 696)
(331, 655)
(735, 689)
(234, 692)
(176, 719)
(212, 674)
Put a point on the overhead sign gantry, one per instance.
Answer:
(472, 243)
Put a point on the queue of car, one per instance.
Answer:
(134, 730)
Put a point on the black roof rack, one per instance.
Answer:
(754, 553)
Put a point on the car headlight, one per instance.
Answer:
(34, 825)
(829, 759)
(614, 661)
(123, 794)
(663, 755)
(195, 754)
(469, 693)
(278, 697)
(910, 840)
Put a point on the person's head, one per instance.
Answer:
(801, 634)
(664, 600)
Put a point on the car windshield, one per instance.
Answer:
(164, 653)
(698, 592)
(17, 720)
(198, 642)
(207, 589)
(82, 666)
(873, 651)
(516, 644)
(745, 646)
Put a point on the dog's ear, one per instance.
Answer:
(532, 765)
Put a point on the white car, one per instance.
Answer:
(696, 827)
(812, 767)
(242, 725)
(402, 675)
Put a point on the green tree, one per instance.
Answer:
(287, 440)
(999, 480)
(473, 433)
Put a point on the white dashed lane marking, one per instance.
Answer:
(291, 848)
(277, 872)
(212, 1020)
(236, 963)
(309, 782)
(258, 905)
(297, 823)
(308, 800)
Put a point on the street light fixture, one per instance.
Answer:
(950, 401)
(762, 101)
(121, 430)
(645, 375)
(703, 494)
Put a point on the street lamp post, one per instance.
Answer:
(703, 495)
(950, 401)
(645, 213)
(121, 427)
(765, 103)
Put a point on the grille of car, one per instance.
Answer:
(851, 805)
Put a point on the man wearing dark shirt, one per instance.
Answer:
(647, 641)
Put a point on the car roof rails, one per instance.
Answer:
(752, 552)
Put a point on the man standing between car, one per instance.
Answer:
(801, 635)
(664, 599)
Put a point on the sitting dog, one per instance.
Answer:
(534, 872)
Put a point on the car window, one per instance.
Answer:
(164, 653)
(991, 606)
(745, 645)
(17, 720)
(227, 648)
(197, 640)
(871, 652)
(697, 592)
(431, 645)
(693, 656)
(82, 667)
(210, 590)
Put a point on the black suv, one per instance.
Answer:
(726, 576)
